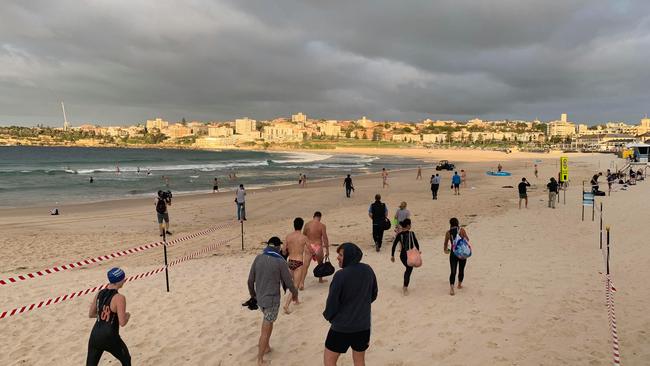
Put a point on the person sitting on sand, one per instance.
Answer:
(317, 246)
(407, 240)
(294, 248)
(454, 262)
(108, 308)
(267, 273)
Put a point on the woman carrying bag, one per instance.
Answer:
(457, 236)
(409, 252)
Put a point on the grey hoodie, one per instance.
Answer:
(352, 290)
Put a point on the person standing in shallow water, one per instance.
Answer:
(451, 237)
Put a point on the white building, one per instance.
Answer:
(299, 118)
(245, 126)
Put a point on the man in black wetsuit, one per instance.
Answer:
(109, 310)
(347, 182)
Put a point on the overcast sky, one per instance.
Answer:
(123, 61)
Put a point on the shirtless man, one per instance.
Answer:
(294, 247)
(384, 177)
(317, 246)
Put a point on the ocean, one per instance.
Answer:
(47, 176)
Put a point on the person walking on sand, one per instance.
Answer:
(536, 172)
(109, 310)
(463, 178)
(215, 185)
(347, 182)
(294, 249)
(435, 185)
(384, 178)
(240, 200)
(552, 192)
(523, 194)
(455, 183)
(400, 215)
(268, 272)
(348, 307)
(455, 233)
(317, 246)
(163, 199)
(419, 176)
(378, 213)
(407, 241)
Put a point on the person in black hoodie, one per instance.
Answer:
(351, 292)
(408, 240)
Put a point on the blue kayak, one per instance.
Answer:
(499, 174)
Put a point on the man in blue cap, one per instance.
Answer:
(109, 310)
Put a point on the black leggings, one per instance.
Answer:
(115, 346)
(378, 234)
(409, 269)
(453, 263)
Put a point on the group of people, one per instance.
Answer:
(353, 288)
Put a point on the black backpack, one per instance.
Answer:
(161, 206)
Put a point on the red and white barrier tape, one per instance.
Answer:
(102, 258)
(44, 303)
(609, 296)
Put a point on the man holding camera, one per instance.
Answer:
(163, 200)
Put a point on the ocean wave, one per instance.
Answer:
(301, 157)
(206, 167)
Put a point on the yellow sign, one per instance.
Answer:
(564, 169)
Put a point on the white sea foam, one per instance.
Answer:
(302, 157)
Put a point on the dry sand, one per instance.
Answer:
(533, 292)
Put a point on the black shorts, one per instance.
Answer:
(340, 342)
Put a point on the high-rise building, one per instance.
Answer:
(644, 126)
(563, 118)
(244, 126)
(299, 118)
(158, 123)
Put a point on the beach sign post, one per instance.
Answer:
(165, 254)
(601, 225)
(588, 200)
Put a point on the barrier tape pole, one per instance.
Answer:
(165, 254)
(102, 258)
(609, 296)
(51, 301)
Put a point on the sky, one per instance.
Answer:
(117, 62)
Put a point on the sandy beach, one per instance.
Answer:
(534, 292)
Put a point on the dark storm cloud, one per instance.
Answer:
(125, 61)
